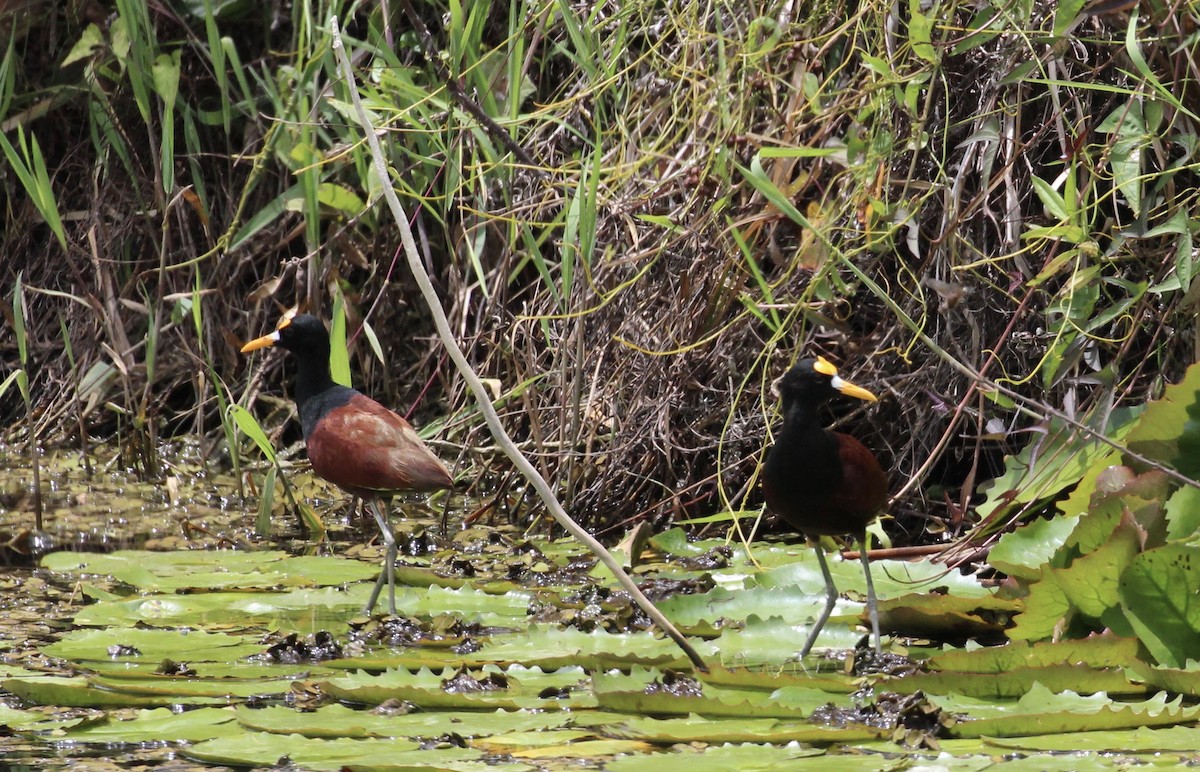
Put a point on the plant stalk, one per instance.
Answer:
(477, 388)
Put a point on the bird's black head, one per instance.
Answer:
(306, 338)
(303, 335)
(813, 381)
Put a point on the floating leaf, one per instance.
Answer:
(772, 677)
(159, 725)
(208, 569)
(1094, 651)
(79, 692)
(1140, 740)
(342, 721)
(705, 729)
(652, 692)
(1017, 681)
(152, 645)
(944, 616)
(260, 749)
(752, 758)
(1176, 680)
(1041, 711)
(509, 689)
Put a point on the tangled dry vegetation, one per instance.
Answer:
(715, 189)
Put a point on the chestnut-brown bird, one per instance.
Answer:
(821, 482)
(353, 441)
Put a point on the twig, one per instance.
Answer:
(456, 90)
(1020, 400)
(477, 388)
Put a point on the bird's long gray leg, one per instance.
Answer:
(872, 603)
(831, 595)
(389, 564)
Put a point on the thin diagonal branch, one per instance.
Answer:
(477, 388)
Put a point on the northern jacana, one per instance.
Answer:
(821, 482)
(353, 441)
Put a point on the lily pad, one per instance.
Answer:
(547, 647)
(653, 692)
(152, 646)
(303, 610)
(1095, 651)
(1040, 712)
(342, 721)
(205, 569)
(706, 729)
(79, 692)
(159, 725)
(774, 642)
(744, 758)
(262, 749)
(774, 677)
(491, 688)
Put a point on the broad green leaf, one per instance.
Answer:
(1160, 592)
(706, 729)
(1053, 462)
(1051, 199)
(152, 645)
(341, 199)
(772, 641)
(1041, 712)
(920, 32)
(259, 749)
(1169, 429)
(188, 688)
(511, 688)
(159, 725)
(1176, 680)
(212, 569)
(341, 721)
(1098, 651)
(91, 39)
(1046, 605)
(1016, 682)
(79, 692)
(1090, 582)
(1024, 551)
(775, 676)
(1183, 513)
(946, 615)
(1065, 14)
(651, 692)
(1153, 742)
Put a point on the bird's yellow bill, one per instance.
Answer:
(263, 342)
(850, 390)
(269, 340)
(825, 367)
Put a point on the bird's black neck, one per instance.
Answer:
(313, 377)
(807, 451)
